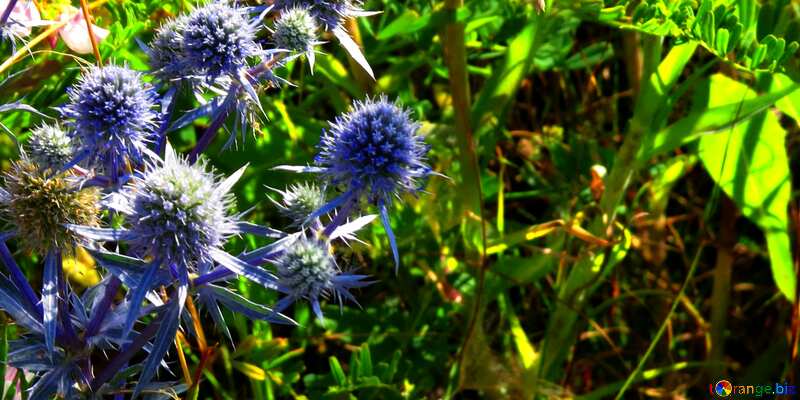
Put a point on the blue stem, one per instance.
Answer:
(167, 116)
(340, 218)
(19, 279)
(211, 132)
(212, 276)
(63, 305)
(122, 358)
(7, 12)
(102, 308)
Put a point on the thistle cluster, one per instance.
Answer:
(109, 179)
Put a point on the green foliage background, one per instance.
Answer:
(511, 285)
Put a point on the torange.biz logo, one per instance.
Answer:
(725, 388)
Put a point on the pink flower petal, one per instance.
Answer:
(75, 34)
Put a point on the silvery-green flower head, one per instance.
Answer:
(296, 30)
(307, 270)
(39, 207)
(375, 151)
(218, 39)
(111, 114)
(50, 147)
(329, 13)
(166, 51)
(299, 201)
(179, 212)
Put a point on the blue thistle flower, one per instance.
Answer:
(375, 151)
(50, 147)
(179, 212)
(307, 270)
(166, 51)
(218, 39)
(112, 115)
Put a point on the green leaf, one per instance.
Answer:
(750, 164)
(337, 372)
(706, 122)
(789, 105)
(365, 361)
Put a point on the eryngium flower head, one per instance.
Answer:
(375, 150)
(295, 30)
(49, 147)
(308, 270)
(299, 201)
(111, 112)
(218, 39)
(39, 206)
(178, 211)
(329, 13)
(166, 50)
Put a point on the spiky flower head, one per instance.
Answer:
(307, 270)
(39, 206)
(375, 151)
(50, 147)
(218, 39)
(329, 13)
(179, 212)
(299, 201)
(295, 30)
(166, 50)
(111, 114)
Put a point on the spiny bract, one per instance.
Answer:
(375, 151)
(112, 114)
(50, 147)
(178, 211)
(295, 30)
(39, 206)
(219, 39)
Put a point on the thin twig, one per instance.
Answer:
(87, 17)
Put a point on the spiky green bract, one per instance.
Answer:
(39, 205)
(295, 30)
(218, 39)
(308, 270)
(50, 147)
(375, 151)
(178, 212)
(299, 201)
(111, 113)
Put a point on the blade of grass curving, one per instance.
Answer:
(636, 374)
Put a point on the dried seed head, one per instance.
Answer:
(39, 206)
